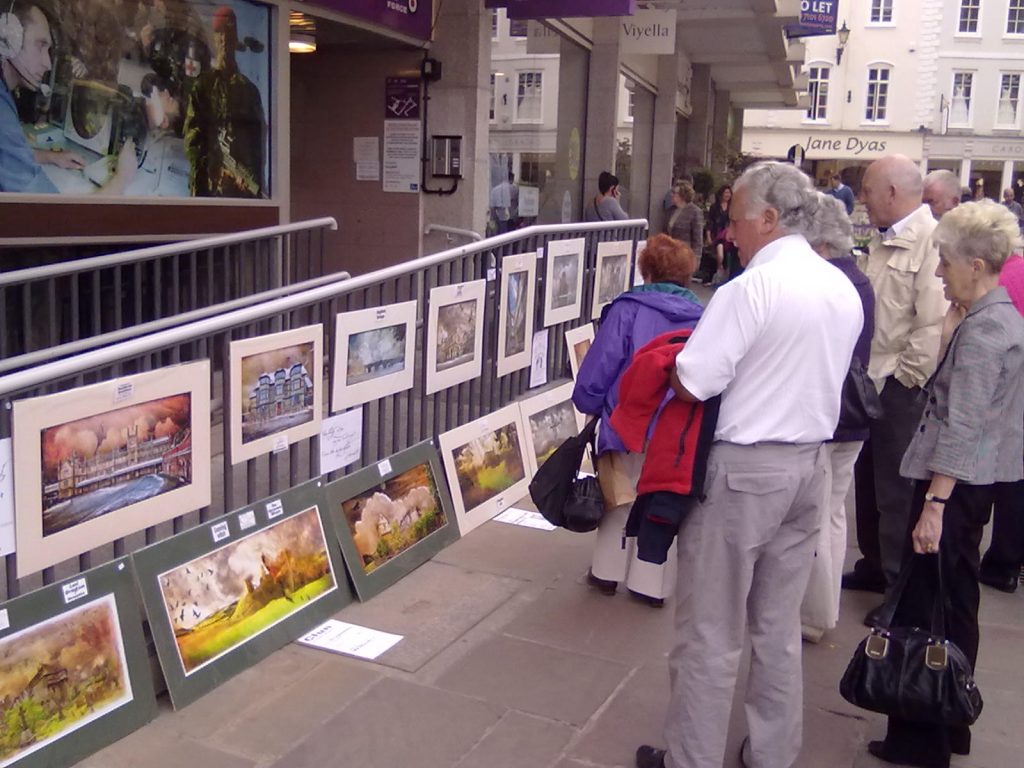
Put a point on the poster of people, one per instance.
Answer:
(166, 98)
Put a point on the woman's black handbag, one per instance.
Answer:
(860, 403)
(561, 495)
(913, 673)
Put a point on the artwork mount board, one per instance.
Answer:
(403, 504)
(577, 343)
(225, 594)
(611, 277)
(373, 354)
(563, 280)
(486, 464)
(516, 313)
(153, 460)
(89, 618)
(455, 334)
(276, 390)
(549, 419)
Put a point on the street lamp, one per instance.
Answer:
(844, 37)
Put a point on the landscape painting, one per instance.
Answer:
(612, 273)
(550, 428)
(102, 463)
(563, 281)
(221, 600)
(373, 354)
(515, 317)
(564, 286)
(455, 334)
(59, 675)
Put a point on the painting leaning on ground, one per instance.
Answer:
(104, 462)
(220, 600)
(59, 675)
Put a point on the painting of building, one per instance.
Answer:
(279, 393)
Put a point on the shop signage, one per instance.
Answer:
(541, 38)
(547, 9)
(832, 145)
(410, 17)
(648, 32)
(817, 17)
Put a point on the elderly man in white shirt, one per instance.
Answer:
(776, 344)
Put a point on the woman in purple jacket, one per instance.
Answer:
(661, 304)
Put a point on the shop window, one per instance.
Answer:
(1009, 99)
(960, 104)
(881, 11)
(878, 94)
(630, 104)
(529, 97)
(817, 90)
(517, 27)
(970, 10)
(529, 171)
(1015, 18)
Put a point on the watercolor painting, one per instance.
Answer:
(276, 390)
(489, 465)
(614, 271)
(515, 308)
(456, 334)
(550, 428)
(375, 353)
(565, 278)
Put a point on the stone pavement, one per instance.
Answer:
(510, 661)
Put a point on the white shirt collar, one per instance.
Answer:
(772, 250)
(900, 225)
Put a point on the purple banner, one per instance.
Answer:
(546, 9)
(410, 17)
(817, 17)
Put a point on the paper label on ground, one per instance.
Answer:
(350, 639)
(6, 498)
(525, 518)
(341, 440)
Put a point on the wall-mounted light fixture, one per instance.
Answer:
(844, 37)
(301, 33)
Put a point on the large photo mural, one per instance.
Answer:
(165, 98)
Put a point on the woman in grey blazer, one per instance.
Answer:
(971, 436)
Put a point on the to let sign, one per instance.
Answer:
(817, 17)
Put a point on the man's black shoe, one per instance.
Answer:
(1002, 583)
(873, 617)
(861, 580)
(604, 586)
(649, 757)
(878, 749)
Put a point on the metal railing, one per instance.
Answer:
(390, 424)
(43, 307)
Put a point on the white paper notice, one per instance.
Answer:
(246, 520)
(5, 622)
(6, 498)
(525, 518)
(366, 154)
(350, 639)
(529, 201)
(539, 359)
(341, 440)
(402, 155)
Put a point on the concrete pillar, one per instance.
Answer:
(702, 98)
(458, 106)
(663, 154)
(1007, 180)
(602, 103)
(720, 128)
(965, 173)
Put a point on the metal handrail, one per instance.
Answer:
(60, 369)
(157, 251)
(446, 230)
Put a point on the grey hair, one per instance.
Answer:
(770, 184)
(949, 181)
(830, 230)
(982, 230)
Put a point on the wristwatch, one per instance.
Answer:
(935, 499)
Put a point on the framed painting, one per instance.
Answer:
(276, 391)
(373, 354)
(455, 334)
(74, 673)
(486, 465)
(392, 517)
(549, 419)
(225, 594)
(515, 316)
(577, 343)
(612, 274)
(97, 463)
(563, 280)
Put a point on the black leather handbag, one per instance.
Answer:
(860, 403)
(563, 497)
(911, 672)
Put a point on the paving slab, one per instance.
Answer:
(520, 741)
(162, 750)
(397, 724)
(431, 607)
(535, 678)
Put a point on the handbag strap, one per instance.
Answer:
(589, 434)
(892, 601)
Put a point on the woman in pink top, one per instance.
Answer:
(1001, 565)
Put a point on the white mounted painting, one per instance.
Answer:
(455, 334)
(563, 281)
(577, 343)
(515, 318)
(612, 274)
(549, 419)
(373, 354)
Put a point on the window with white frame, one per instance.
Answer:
(817, 91)
(875, 110)
(494, 85)
(1009, 99)
(1015, 18)
(529, 97)
(518, 27)
(969, 12)
(630, 104)
(960, 102)
(881, 11)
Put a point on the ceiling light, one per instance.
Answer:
(301, 42)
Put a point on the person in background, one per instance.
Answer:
(970, 437)
(661, 304)
(841, 192)
(605, 206)
(1012, 205)
(941, 192)
(979, 190)
(831, 237)
(501, 203)
(717, 237)
(686, 222)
